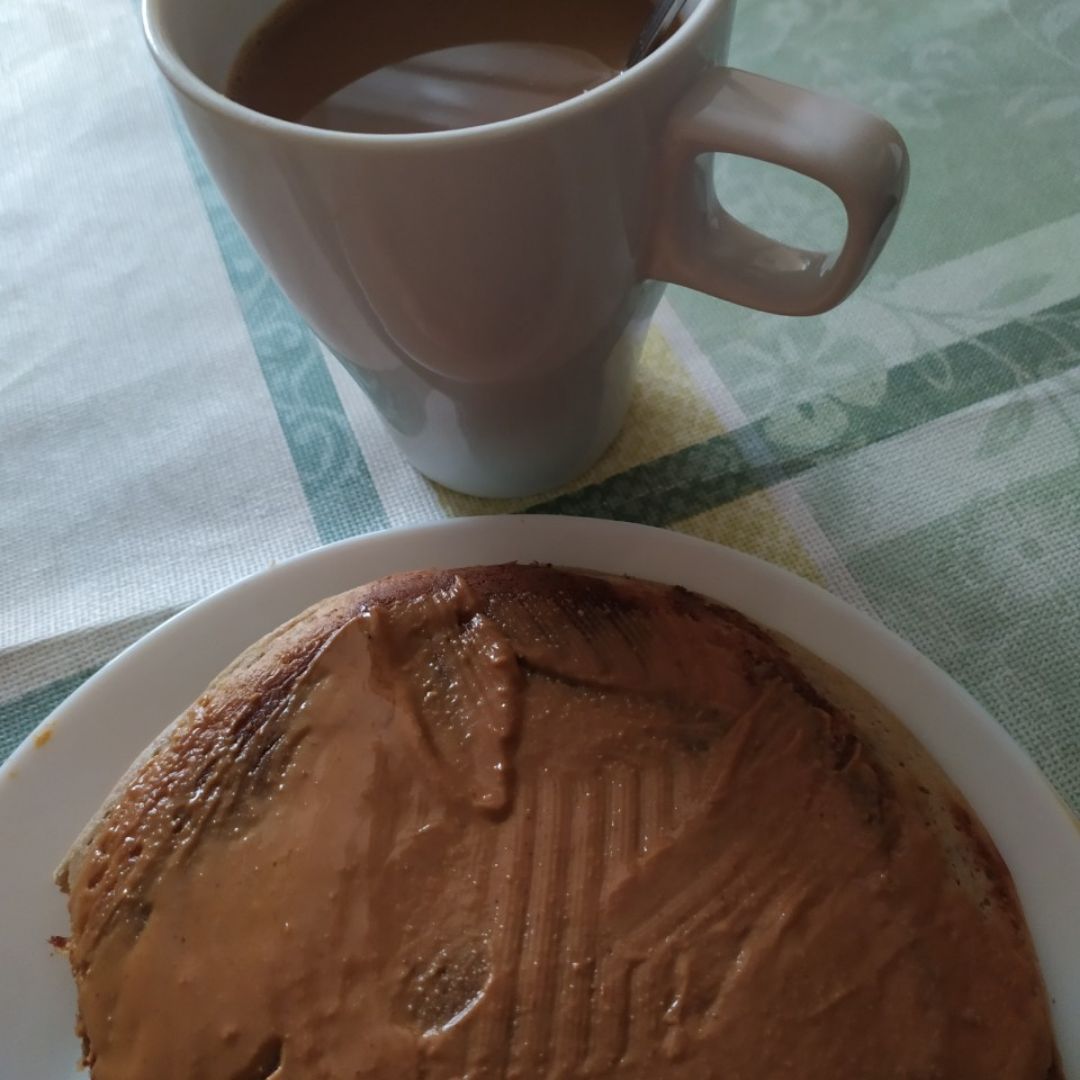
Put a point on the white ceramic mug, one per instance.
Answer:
(489, 287)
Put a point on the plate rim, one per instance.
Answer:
(1036, 795)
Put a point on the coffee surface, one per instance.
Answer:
(413, 65)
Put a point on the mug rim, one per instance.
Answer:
(186, 82)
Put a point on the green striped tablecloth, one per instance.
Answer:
(168, 424)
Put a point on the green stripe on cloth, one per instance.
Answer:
(788, 442)
(334, 476)
(21, 715)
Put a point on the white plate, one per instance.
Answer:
(48, 792)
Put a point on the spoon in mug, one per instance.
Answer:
(663, 15)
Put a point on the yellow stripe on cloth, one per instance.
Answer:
(753, 524)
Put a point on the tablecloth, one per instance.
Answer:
(168, 424)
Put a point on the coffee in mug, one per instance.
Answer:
(412, 65)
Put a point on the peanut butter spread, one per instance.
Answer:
(570, 829)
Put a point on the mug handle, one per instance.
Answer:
(861, 157)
